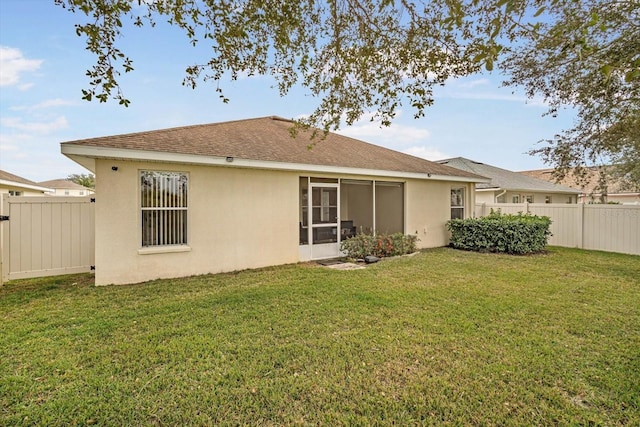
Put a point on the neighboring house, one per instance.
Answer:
(589, 187)
(64, 187)
(512, 187)
(245, 194)
(15, 185)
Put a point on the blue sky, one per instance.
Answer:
(42, 72)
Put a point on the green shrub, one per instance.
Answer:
(512, 234)
(379, 245)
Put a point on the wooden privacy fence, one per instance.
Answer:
(611, 228)
(46, 236)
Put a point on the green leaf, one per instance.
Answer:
(606, 70)
(479, 58)
(539, 12)
(632, 76)
(489, 64)
(86, 95)
(510, 6)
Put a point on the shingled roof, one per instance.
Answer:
(589, 184)
(266, 139)
(10, 179)
(62, 184)
(505, 179)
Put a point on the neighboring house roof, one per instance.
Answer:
(261, 143)
(587, 186)
(63, 184)
(503, 179)
(11, 180)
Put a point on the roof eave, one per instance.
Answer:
(545, 190)
(527, 190)
(86, 155)
(25, 186)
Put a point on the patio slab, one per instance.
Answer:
(345, 266)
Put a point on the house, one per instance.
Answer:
(15, 185)
(589, 187)
(246, 194)
(64, 187)
(512, 187)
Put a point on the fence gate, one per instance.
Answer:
(46, 236)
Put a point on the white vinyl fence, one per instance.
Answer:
(45, 236)
(611, 228)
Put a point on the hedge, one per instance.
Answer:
(379, 245)
(506, 233)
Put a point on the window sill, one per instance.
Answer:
(163, 249)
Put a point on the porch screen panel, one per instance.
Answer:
(304, 210)
(389, 207)
(164, 205)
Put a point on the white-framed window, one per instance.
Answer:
(457, 203)
(529, 198)
(164, 206)
(547, 199)
(515, 199)
(15, 193)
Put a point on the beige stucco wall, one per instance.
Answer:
(428, 207)
(238, 219)
(71, 192)
(24, 191)
(486, 196)
(539, 197)
(489, 197)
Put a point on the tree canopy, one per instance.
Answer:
(588, 57)
(359, 56)
(86, 180)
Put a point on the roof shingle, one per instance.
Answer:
(6, 176)
(505, 179)
(62, 184)
(269, 139)
(588, 186)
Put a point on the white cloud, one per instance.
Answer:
(396, 135)
(42, 127)
(11, 148)
(425, 152)
(474, 83)
(20, 155)
(536, 102)
(7, 143)
(495, 96)
(49, 103)
(13, 64)
(487, 96)
(481, 90)
(25, 86)
(57, 102)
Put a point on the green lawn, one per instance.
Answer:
(441, 338)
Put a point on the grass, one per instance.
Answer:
(441, 338)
